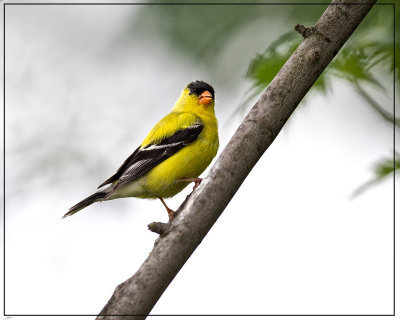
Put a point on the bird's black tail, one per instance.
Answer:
(85, 202)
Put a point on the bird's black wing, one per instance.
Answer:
(121, 169)
(142, 160)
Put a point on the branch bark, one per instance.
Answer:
(134, 298)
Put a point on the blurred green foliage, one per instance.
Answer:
(265, 66)
(381, 170)
(361, 63)
(364, 63)
(369, 49)
(206, 34)
(386, 167)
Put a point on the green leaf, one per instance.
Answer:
(381, 169)
(354, 65)
(265, 66)
(386, 167)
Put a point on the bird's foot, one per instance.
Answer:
(171, 213)
(195, 180)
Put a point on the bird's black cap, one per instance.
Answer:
(198, 87)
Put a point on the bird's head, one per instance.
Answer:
(197, 95)
(201, 91)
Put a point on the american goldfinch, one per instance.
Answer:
(175, 152)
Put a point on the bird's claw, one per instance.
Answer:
(171, 214)
(196, 184)
(195, 180)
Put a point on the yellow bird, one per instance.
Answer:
(175, 152)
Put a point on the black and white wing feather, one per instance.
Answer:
(142, 160)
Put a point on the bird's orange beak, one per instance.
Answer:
(205, 97)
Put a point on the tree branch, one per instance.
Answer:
(136, 296)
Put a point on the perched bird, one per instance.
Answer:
(175, 152)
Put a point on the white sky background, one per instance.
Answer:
(291, 241)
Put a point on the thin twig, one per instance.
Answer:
(158, 227)
(304, 31)
(375, 105)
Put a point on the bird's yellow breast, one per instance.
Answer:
(189, 162)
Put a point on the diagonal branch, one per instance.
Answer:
(136, 296)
